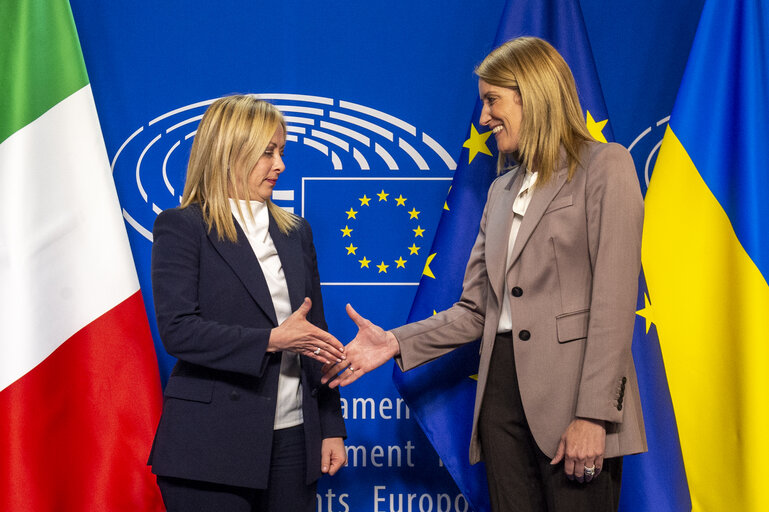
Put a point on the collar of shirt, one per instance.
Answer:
(256, 225)
(522, 200)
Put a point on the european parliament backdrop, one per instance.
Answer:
(378, 99)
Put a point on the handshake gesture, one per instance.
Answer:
(370, 349)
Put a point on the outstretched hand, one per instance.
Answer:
(370, 349)
(298, 335)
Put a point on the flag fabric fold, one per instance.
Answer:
(441, 394)
(79, 385)
(706, 257)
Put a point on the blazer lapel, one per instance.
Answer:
(498, 224)
(543, 196)
(289, 249)
(241, 258)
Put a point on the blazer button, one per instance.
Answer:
(524, 335)
(314, 392)
(234, 395)
(517, 291)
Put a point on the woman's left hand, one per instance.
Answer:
(332, 455)
(581, 448)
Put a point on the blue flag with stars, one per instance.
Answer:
(352, 246)
(442, 393)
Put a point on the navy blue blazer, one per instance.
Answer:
(215, 313)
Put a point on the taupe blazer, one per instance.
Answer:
(572, 285)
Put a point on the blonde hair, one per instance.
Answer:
(552, 116)
(232, 136)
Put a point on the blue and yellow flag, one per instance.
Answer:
(441, 394)
(706, 257)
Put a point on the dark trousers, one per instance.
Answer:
(520, 476)
(287, 490)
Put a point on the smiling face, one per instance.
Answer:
(263, 177)
(502, 112)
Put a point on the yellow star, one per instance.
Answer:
(364, 262)
(414, 214)
(596, 127)
(351, 249)
(382, 268)
(446, 203)
(382, 195)
(477, 143)
(400, 200)
(364, 200)
(401, 262)
(418, 231)
(427, 272)
(351, 213)
(647, 312)
(474, 377)
(346, 232)
(413, 249)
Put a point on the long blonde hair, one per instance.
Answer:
(232, 136)
(552, 116)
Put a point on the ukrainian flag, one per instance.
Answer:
(706, 257)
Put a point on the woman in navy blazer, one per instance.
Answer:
(238, 303)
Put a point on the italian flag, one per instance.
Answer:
(79, 386)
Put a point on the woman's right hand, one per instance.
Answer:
(371, 348)
(298, 335)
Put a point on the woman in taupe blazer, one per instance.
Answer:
(550, 288)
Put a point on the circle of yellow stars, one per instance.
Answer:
(365, 201)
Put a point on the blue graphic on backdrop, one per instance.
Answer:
(372, 187)
(376, 230)
(332, 135)
(645, 148)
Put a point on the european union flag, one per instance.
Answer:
(441, 394)
(351, 244)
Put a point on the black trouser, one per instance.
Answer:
(520, 476)
(287, 489)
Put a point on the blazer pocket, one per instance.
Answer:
(572, 326)
(190, 388)
(558, 203)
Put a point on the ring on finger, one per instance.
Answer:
(316, 351)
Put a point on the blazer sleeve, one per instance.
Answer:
(178, 237)
(428, 339)
(614, 210)
(329, 403)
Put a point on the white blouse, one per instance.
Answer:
(520, 205)
(288, 406)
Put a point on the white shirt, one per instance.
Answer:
(520, 205)
(288, 406)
